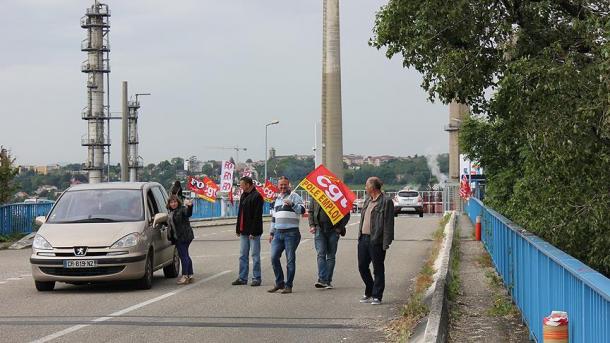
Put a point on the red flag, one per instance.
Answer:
(465, 188)
(335, 198)
(231, 195)
(205, 189)
(268, 191)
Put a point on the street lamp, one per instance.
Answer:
(266, 126)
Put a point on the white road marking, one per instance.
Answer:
(127, 310)
(356, 223)
(2, 282)
(26, 275)
(13, 279)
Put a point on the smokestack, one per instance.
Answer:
(457, 112)
(332, 126)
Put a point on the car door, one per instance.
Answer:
(165, 247)
(155, 233)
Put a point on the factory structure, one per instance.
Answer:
(96, 44)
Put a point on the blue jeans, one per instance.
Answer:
(326, 246)
(185, 259)
(247, 246)
(285, 240)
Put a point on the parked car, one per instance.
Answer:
(408, 201)
(357, 205)
(104, 232)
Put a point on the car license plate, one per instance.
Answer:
(80, 263)
(406, 209)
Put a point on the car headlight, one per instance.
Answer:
(128, 241)
(40, 243)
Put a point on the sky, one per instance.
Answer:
(217, 71)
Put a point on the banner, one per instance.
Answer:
(226, 176)
(465, 188)
(335, 198)
(205, 189)
(268, 190)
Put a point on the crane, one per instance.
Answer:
(237, 148)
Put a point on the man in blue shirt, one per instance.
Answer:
(285, 235)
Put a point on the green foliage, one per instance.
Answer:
(7, 174)
(293, 168)
(543, 135)
(413, 171)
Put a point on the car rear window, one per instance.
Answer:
(408, 194)
(98, 205)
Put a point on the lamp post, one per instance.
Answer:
(266, 126)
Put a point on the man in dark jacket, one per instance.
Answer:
(326, 241)
(249, 229)
(374, 238)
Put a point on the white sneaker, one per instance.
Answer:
(375, 301)
(365, 299)
(329, 286)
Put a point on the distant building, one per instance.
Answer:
(42, 170)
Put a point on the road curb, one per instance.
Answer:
(437, 322)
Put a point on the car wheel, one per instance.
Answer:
(172, 269)
(421, 215)
(44, 286)
(395, 214)
(146, 281)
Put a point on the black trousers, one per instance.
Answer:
(368, 253)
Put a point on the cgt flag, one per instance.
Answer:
(268, 190)
(331, 193)
(205, 189)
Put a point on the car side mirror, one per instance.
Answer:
(160, 218)
(40, 220)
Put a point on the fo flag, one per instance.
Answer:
(205, 189)
(465, 188)
(268, 190)
(331, 193)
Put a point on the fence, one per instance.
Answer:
(542, 278)
(19, 218)
(206, 209)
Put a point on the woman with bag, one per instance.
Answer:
(182, 233)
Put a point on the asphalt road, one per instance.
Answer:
(210, 309)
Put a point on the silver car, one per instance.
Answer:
(104, 232)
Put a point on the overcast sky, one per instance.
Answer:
(217, 70)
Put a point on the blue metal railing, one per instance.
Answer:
(19, 218)
(542, 278)
(206, 209)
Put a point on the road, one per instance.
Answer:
(210, 309)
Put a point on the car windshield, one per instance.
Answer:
(411, 194)
(98, 206)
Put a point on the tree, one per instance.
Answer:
(7, 174)
(543, 135)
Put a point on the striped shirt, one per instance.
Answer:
(286, 217)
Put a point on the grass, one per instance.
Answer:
(12, 237)
(455, 283)
(502, 304)
(415, 309)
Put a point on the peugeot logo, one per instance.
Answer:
(80, 251)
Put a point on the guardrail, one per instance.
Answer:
(542, 278)
(19, 218)
(206, 209)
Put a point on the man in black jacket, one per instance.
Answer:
(374, 238)
(249, 229)
(326, 241)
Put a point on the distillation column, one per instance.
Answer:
(97, 23)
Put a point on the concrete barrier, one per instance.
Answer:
(434, 328)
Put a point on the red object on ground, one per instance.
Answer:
(477, 229)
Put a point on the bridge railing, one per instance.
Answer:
(205, 209)
(542, 278)
(19, 218)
